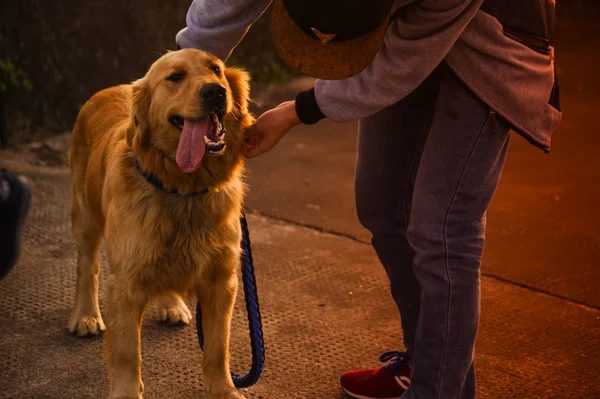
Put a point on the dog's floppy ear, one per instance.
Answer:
(239, 82)
(140, 108)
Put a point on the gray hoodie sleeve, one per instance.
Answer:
(217, 26)
(416, 42)
(418, 39)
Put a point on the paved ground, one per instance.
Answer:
(324, 297)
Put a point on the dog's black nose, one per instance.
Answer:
(213, 95)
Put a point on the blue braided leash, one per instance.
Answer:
(254, 321)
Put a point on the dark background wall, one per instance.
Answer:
(72, 48)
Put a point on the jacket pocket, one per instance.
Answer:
(536, 43)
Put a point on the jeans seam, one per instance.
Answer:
(462, 174)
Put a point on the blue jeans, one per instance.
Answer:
(426, 171)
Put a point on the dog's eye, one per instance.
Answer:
(176, 77)
(216, 69)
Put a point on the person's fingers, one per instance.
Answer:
(251, 130)
(252, 141)
(251, 138)
(249, 146)
(266, 132)
(260, 147)
(254, 138)
(250, 152)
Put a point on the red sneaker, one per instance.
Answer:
(387, 382)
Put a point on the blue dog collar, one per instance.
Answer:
(153, 180)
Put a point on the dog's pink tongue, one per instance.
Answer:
(191, 145)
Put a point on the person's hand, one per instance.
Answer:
(269, 128)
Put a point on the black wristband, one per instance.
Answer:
(307, 108)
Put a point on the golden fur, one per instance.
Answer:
(158, 245)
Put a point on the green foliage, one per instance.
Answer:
(12, 78)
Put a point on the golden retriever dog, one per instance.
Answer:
(157, 173)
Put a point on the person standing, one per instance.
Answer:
(436, 85)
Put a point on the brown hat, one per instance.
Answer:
(329, 39)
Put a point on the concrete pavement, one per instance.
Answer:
(325, 308)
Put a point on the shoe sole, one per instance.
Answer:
(357, 396)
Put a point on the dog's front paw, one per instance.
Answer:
(172, 310)
(86, 325)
